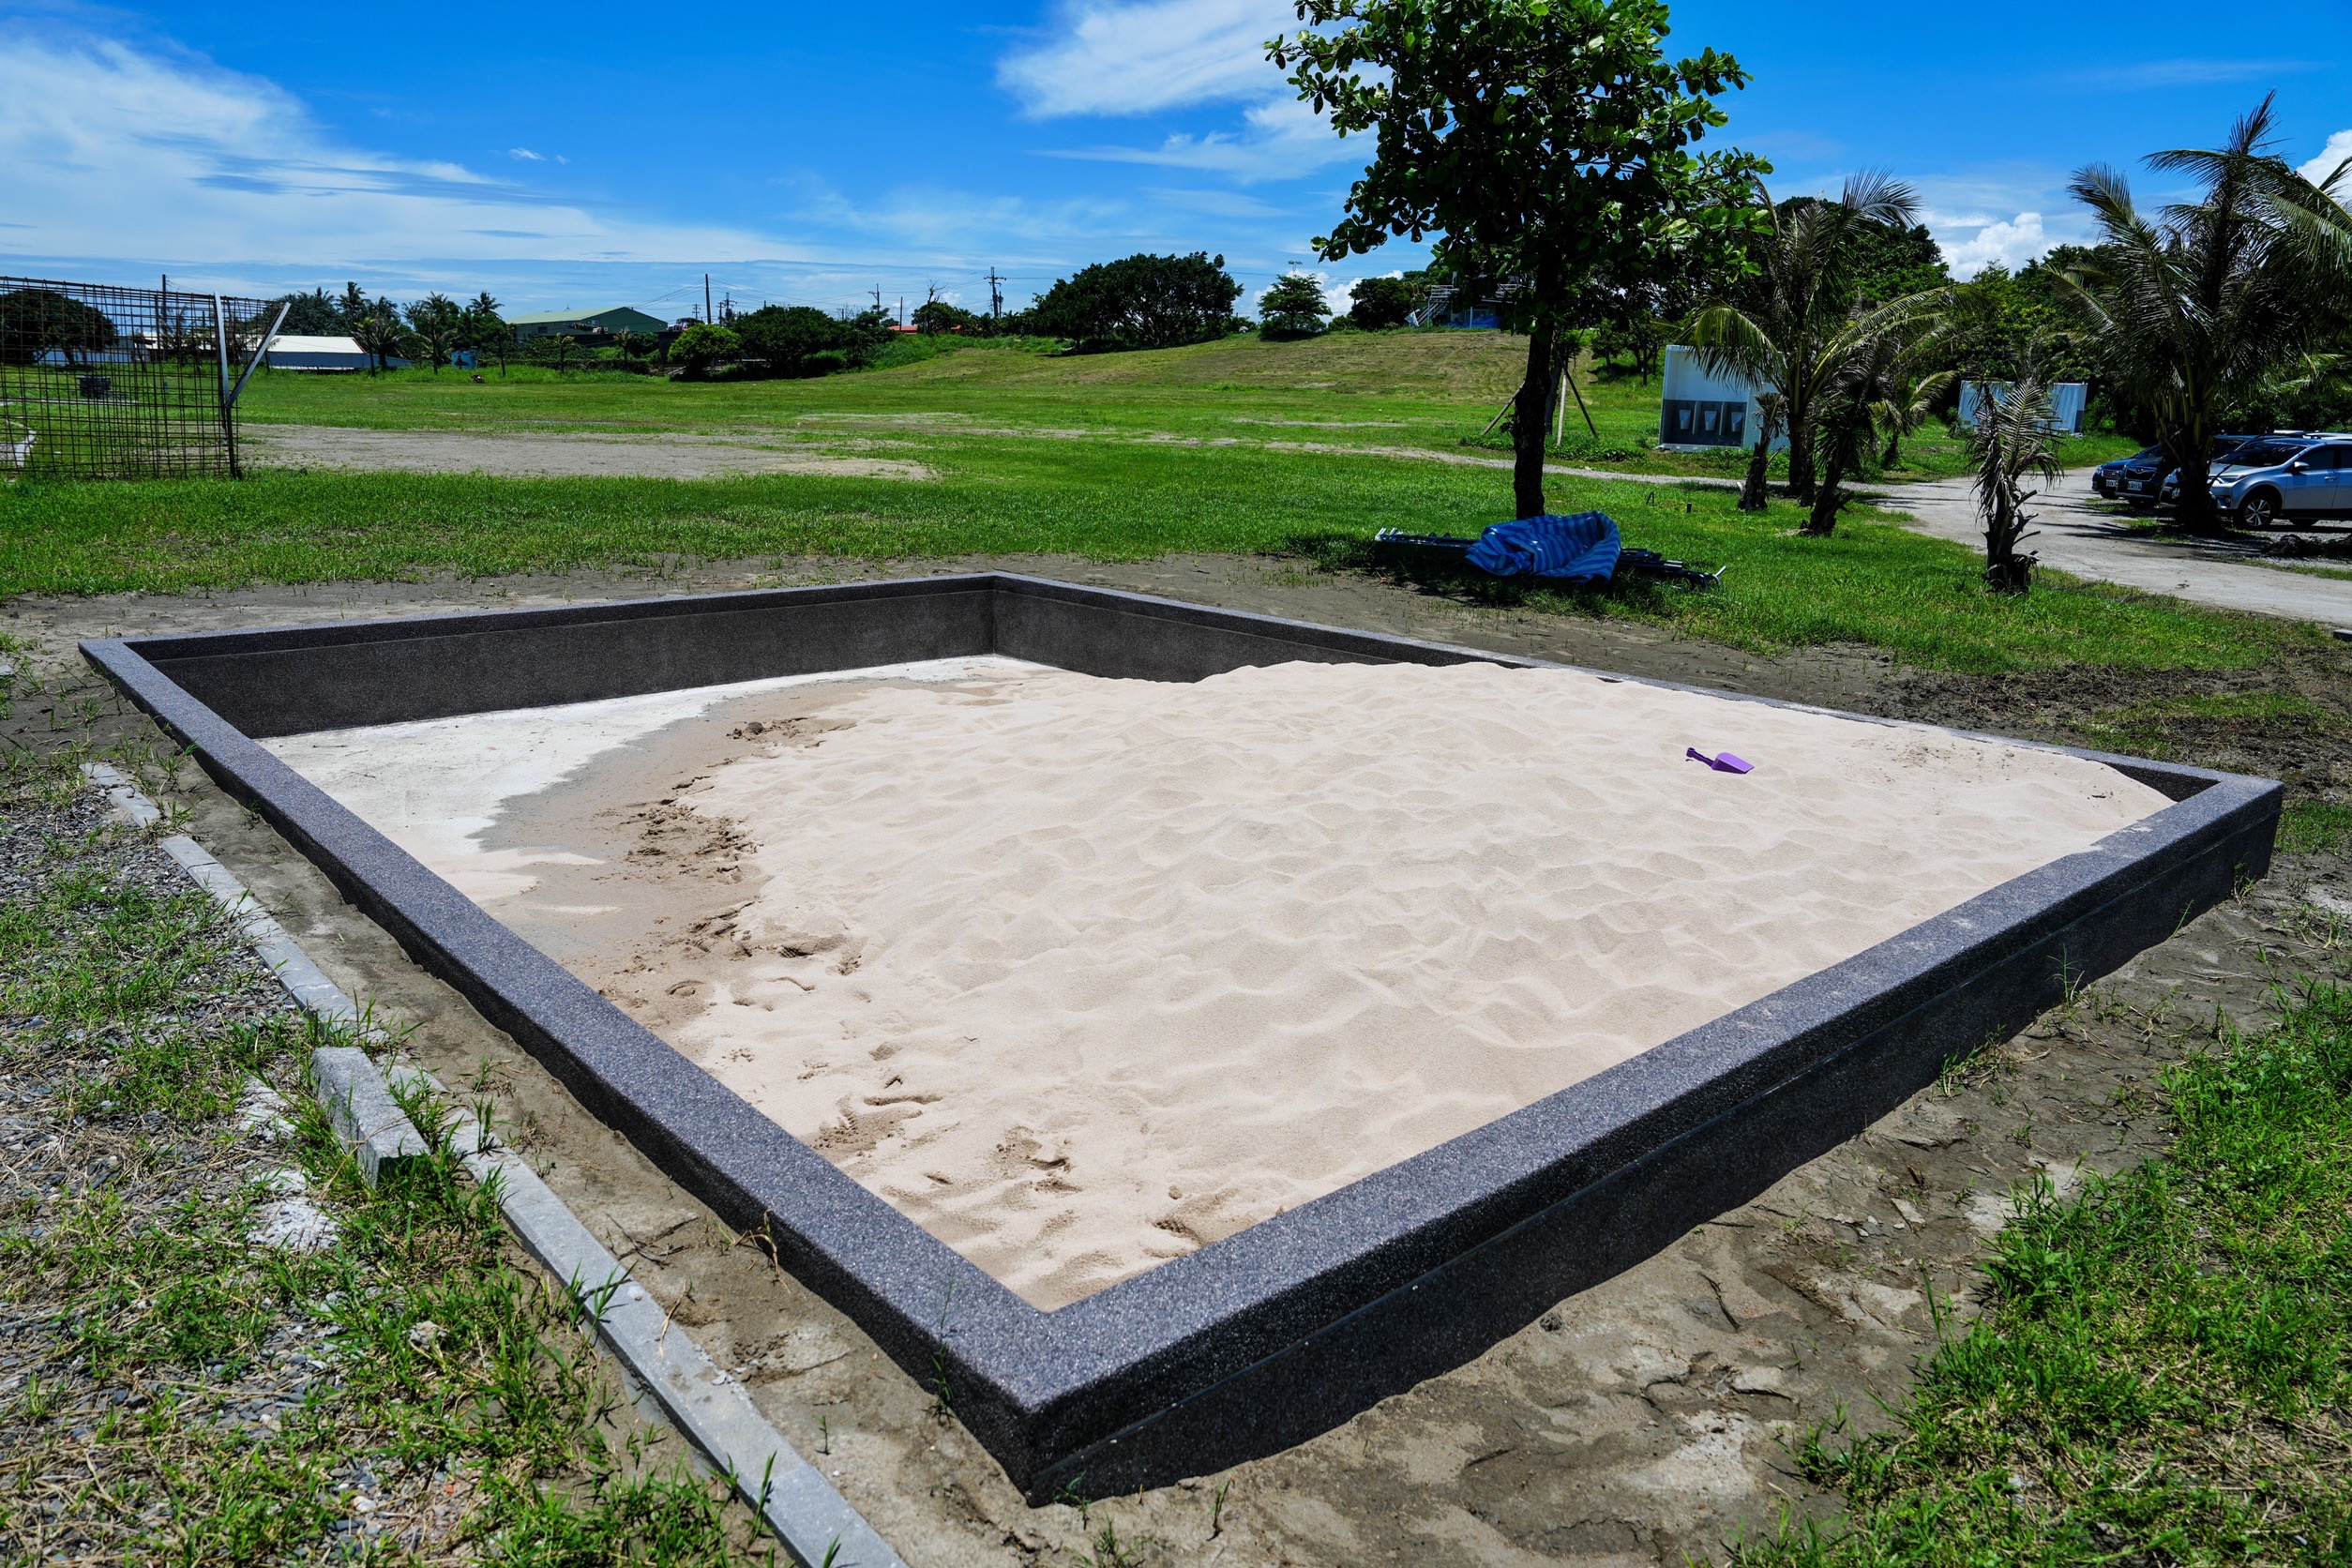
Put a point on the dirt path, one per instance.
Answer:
(549, 455)
(542, 454)
(1634, 1424)
(2090, 537)
(1463, 460)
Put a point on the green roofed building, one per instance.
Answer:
(587, 324)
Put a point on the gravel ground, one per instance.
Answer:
(70, 1163)
(547, 454)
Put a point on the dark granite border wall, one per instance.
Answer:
(1291, 1326)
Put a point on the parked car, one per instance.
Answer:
(2151, 481)
(2107, 479)
(2275, 477)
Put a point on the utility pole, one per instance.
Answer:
(902, 309)
(878, 300)
(707, 299)
(996, 294)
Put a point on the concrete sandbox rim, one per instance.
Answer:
(1286, 1329)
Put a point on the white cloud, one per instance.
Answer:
(125, 158)
(1134, 58)
(2012, 242)
(2339, 147)
(1282, 138)
(115, 151)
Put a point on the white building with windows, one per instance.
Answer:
(1700, 411)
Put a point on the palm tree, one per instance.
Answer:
(378, 334)
(2013, 437)
(1771, 417)
(438, 322)
(484, 329)
(2197, 308)
(1791, 333)
(1866, 351)
(1905, 392)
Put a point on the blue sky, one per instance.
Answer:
(597, 154)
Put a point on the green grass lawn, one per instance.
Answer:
(1410, 388)
(1235, 447)
(1876, 583)
(1429, 389)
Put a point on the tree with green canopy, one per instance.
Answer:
(483, 330)
(1546, 143)
(784, 340)
(379, 334)
(703, 345)
(1293, 306)
(935, 316)
(310, 315)
(2014, 439)
(2200, 308)
(35, 322)
(1378, 304)
(1140, 302)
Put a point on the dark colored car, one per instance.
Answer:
(2146, 479)
(2107, 479)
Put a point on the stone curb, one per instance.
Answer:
(816, 1525)
(360, 1105)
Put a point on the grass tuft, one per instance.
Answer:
(413, 1390)
(2164, 1369)
(2314, 827)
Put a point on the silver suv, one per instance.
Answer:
(2272, 478)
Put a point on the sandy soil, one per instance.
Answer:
(545, 455)
(1084, 974)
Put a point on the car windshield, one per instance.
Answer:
(2265, 454)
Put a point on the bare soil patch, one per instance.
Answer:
(551, 455)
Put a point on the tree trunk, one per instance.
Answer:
(1822, 521)
(2005, 570)
(2195, 511)
(1893, 453)
(1801, 461)
(1844, 438)
(1757, 492)
(1530, 419)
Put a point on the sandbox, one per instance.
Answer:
(1180, 1029)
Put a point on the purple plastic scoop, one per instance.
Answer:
(1723, 761)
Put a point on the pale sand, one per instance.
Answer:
(1082, 974)
(435, 786)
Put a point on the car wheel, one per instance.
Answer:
(2260, 510)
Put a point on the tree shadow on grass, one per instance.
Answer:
(1444, 575)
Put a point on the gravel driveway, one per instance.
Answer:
(2094, 539)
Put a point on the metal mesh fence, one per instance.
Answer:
(105, 382)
